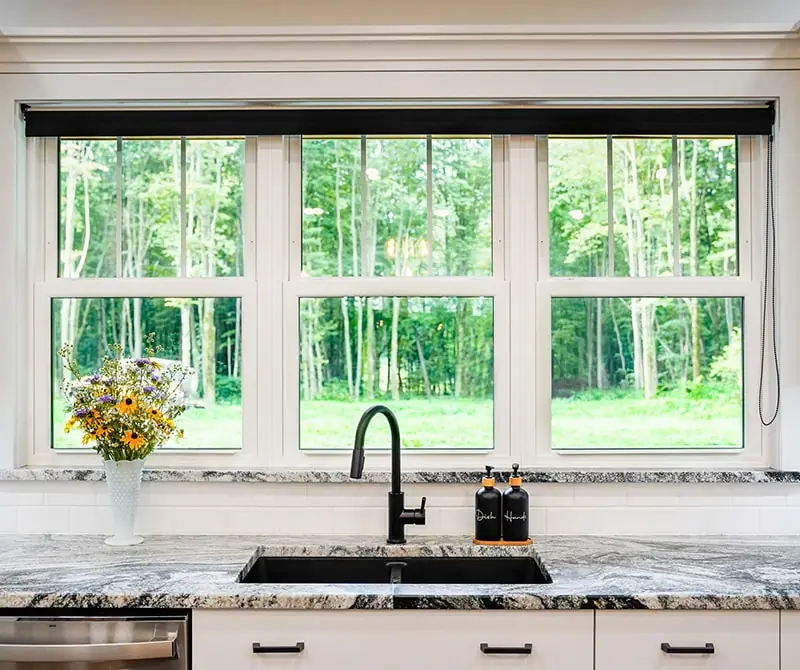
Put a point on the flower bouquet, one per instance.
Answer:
(126, 409)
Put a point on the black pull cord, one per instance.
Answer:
(769, 290)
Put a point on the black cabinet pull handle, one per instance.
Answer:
(526, 649)
(258, 648)
(667, 648)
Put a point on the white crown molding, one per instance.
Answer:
(755, 46)
(415, 32)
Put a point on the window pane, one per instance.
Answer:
(214, 202)
(87, 222)
(150, 211)
(393, 237)
(646, 180)
(647, 372)
(431, 360)
(578, 199)
(708, 206)
(203, 333)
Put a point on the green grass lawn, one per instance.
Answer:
(609, 420)
(216, 428)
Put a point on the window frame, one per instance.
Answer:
(272, 285)
(746, 284)
(296, 286)
(43, 209)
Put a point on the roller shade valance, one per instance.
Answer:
(175, 122)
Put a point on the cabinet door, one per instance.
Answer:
(633, 640)
(392, 640)
(790, 640)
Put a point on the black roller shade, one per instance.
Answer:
(755, 120)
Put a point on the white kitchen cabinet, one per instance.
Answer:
(632, 640)
(391, 640)
(790, 640)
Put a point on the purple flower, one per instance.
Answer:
(141, 362)
(82, 411)
(94, 379)
(108, 381)
(148, 389)
(155, 376)
(106, 398)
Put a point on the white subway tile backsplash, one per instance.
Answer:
(307, 509)
(42, 519)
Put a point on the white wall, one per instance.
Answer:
(303, 509)
(104, 13)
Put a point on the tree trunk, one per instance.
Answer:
(589, 343)
(348, 354)
(649, 350)
(633, 271)
(620, 349)
(601, 381)
(186, 333)
(359, 303)
(394, 372)
(369, 372)
(423, 366)
(137, 327)
(237, 338)
(693, 306)
(209, 353)
(305, 358)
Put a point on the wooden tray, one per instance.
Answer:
(502, 543)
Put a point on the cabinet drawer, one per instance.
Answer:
(790, 640)
(394, 640)
(633, 640)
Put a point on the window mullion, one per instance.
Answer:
(182, 268)
(676, 224)
(118, 241)
(429, 199)
(366, 271)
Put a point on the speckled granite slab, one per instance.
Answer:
(419, 477)
(587, 573)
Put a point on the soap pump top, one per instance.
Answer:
(488, 480)
(515, 480)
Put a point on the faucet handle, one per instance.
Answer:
(422, 506)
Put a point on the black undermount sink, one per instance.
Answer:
(411, 570)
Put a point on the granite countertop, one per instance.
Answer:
(588, 572)
(463, 476)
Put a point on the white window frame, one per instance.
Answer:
(43, 243)
(496, 286)
(272, 284)
(746, 284)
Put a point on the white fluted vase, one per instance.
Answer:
(124, 482)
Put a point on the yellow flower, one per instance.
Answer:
(100, 432)
(154, 414)
(70, 423)
(133, 439)
(180, 434)
(155, 365)
(128, 405)
(87, 437)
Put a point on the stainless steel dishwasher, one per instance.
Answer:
(93, 643)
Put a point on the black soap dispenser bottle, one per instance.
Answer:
(488, 508)
(515, 509)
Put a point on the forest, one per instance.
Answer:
(626, 372)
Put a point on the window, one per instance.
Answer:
(649, 285)
(149, 244)
(395, 298)
(553, 300)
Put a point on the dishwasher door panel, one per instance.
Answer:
(96, 643)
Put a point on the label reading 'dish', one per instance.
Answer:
(481, 516)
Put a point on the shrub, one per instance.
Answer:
(228, 389)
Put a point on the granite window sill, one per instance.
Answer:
(255, 475)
